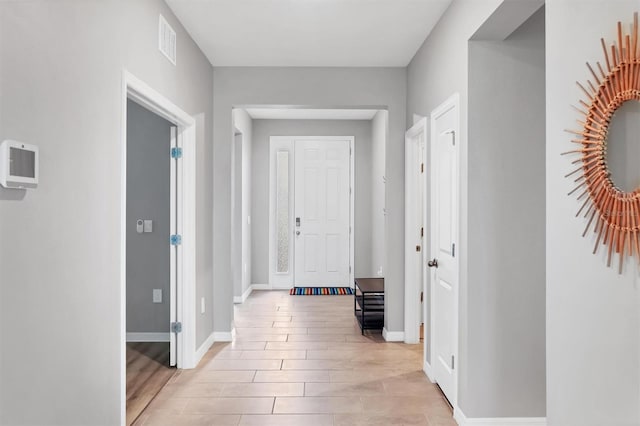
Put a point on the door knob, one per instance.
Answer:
(433, 263)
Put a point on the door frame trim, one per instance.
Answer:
(138, 91)
(411, 285)
(291, 140)
(452, 102)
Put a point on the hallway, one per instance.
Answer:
(300, 360)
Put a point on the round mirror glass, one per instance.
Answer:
(623, 147)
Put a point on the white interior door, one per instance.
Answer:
(444, 235)
(175, 249)
(322, 213)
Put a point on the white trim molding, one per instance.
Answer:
(224, 336)
(243, 298)
(147, 337)
(260, 287)
(463, 420)
(415, 217)
(392, 336)
(428, 370)
(203, 349)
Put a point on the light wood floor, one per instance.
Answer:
(301, 361)
(147, 372)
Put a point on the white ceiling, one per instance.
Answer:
(310, 114)
(349, 33)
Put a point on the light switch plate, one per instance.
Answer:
(157, 295)
(148, 225)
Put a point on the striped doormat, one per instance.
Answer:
(320, 291)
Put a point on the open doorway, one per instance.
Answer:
(296, 154)
(158, 252)
(268, 160)
(151, 353)
(505, 251)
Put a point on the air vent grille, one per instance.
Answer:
(167, 40)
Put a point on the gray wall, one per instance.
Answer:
(236, 214)
(329, 87)
(593, 315)
(487, 386)
(440, 69)
(244, 124)
(61, 85)
(148, 197)
(379, 131)
(262, 130)
(506, 289)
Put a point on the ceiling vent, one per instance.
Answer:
(167, 40)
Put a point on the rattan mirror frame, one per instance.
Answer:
(612, 214)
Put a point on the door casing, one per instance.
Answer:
(415, 183)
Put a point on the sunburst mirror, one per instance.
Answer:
(613, 214)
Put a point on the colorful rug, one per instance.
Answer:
(320, 291)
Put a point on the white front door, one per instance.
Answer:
(322, 213)
(444, 236)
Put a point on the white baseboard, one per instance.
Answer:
(392, 336)
(147, 337)
(241, 299)
(426, 367)
(203, 348)
(463, 420)
(261, 287)
(224, 336)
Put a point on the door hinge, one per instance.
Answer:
(349, 268)
(175, 240)
(421, 167)
(421, 296)
(418, 248)
(453, 249)
(176, 152)
(349, 230)
(453, 362)
(176, 327)
(422, 232)
(453, 136)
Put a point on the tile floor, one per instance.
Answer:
(301, 361)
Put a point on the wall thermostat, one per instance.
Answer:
(18, 165)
